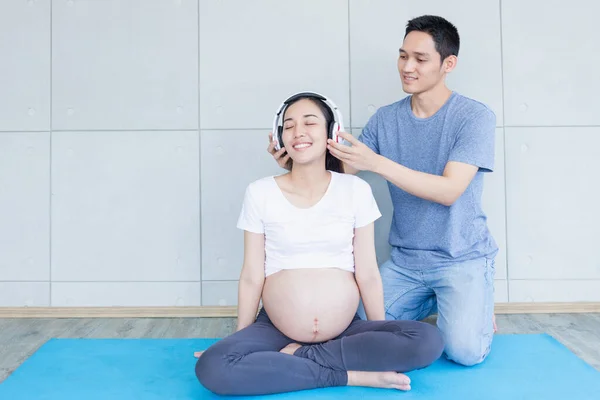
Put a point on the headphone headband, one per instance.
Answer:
(337, 125)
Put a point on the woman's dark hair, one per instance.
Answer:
(331, 163)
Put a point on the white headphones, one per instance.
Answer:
(335, 127)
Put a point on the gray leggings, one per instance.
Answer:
(249, 362)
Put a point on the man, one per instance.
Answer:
(433, 148)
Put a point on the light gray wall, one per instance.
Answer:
(121, 124)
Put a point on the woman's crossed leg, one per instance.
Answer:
(377, 346)
(249, 362)
(253, 361)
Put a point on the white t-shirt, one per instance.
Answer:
(317, 237)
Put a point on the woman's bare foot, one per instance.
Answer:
(290, 348)
(385, 380)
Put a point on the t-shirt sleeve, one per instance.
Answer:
(250, 218)
(365, 205)
(475, 142)
(368, 135)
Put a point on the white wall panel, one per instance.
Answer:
(226, 171)
(493, 204)
(550, 54)
(125, 64)
(376, 34)
(554, 290)
(253, 54)
(125, 294)
(552, 203)
(501, 291)
(24, 206)
(25, 65)
(112, 195)
(24, 294)
(220, 293)
(125, 206)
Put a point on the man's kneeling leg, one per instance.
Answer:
(465, 297)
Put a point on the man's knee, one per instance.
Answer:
(467, 350)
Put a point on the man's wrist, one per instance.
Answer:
(378, 164)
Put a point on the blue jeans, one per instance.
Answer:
(462, 295)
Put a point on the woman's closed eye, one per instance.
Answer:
(286, 127)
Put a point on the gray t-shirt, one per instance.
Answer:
(424, 233)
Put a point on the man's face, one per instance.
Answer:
(419, 63)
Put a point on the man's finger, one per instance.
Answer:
(340, 155)
(339, 146)
(348, 137)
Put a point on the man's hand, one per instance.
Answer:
(280, 155)
(358, 156)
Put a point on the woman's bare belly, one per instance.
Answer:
(311, 305)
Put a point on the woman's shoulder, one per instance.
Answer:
(262, 182)
(351, 181)
(262, 186)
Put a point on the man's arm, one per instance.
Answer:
(474, 149)
(444, 189)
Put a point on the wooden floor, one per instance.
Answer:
(19, 338)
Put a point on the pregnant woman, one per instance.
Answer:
(309, 253)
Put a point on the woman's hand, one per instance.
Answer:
(279, 155)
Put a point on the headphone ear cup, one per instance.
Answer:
(279, 137)
(331, 130)
(334, 130)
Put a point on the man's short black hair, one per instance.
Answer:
(444, 34)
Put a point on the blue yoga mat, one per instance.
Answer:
(532, 367)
